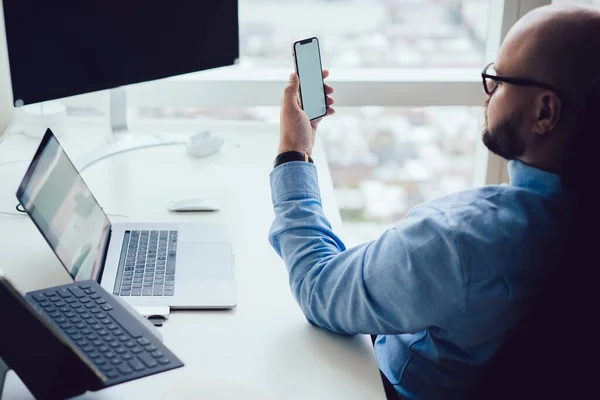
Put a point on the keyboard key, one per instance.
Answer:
(96, 326)
(98, 343)
(164, 361)
(136, 292)
(115, 361)
(130, 343)
(85, 286)
(143, 341)
(125, 293)
(136, 285)
(151, 348)
(106, 307)
(45, 304)
(86, 316)
(158, 290)
(124, 369)
(147, 360)
(39, 297)
(55, 299)
(102, 332)
(51, 293)
(168, 293)
(83, 342)
(94, 354)
(86, 331)
(104, 367)
(81, 310)
(112, 327)
(76, 292)
(136, 365)
(54, 314)
(51, 309)
(115, 344)
(156, 354)
(91, 337)
(70, 331)
(147, 291)
(70, 300)
(100, 301)
(84, 300)
(65, 309)
(87, 349)
(76, 305)
(118, 332)
(76, 336)
(66, 325)
(136, 350)
(60, 303)
(120, 350)
(60, 320)
(90, 305)
(110, 339)
(80, 325)
(95, 296)
(148, 284)
(126, 356)
(103, 348)
(105, 321)
(95, 310)
(112, 374)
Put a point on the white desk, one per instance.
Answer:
(264, 348)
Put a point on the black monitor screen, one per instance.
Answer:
(62, 48)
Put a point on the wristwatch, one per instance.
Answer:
(291, 156)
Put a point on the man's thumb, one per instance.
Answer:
(291, 90)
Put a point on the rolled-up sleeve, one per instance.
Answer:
(407, 280)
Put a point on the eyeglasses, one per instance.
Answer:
(491, 81)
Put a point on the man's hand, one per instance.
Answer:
(297, 133)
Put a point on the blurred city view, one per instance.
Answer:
(383, 160)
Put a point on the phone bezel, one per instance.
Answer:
(303, 42)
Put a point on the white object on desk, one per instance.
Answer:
(204, 144)
(193, 205)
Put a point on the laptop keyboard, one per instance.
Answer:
(104, 331)
(147, 264)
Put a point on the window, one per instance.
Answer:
(366, 33)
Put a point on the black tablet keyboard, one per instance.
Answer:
(114, 341)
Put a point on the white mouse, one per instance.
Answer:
(193, 205)
(204, 144)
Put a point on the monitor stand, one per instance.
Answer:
(119, 139)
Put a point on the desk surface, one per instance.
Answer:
(264, 348)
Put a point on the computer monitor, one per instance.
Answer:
(63, 48)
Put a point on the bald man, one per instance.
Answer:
(444, 286)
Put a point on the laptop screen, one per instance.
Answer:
(64, 210)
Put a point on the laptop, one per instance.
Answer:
(179, 265)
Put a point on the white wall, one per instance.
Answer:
(6, 107)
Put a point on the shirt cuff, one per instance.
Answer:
(294, 180)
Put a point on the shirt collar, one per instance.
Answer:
(526, 176)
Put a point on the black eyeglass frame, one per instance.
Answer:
(512, 81)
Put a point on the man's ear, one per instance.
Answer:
(548, 110)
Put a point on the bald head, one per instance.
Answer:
(559, 45)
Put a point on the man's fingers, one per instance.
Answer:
(290, 94)
(325, 73)
(330, 111)
(330, 101)
(328, 89)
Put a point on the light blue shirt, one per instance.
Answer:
(440, 288)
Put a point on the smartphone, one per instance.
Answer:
(307, 58)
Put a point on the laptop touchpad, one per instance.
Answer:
(204, 261)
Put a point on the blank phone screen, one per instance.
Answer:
(308, 64)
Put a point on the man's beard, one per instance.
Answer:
(503, 139)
